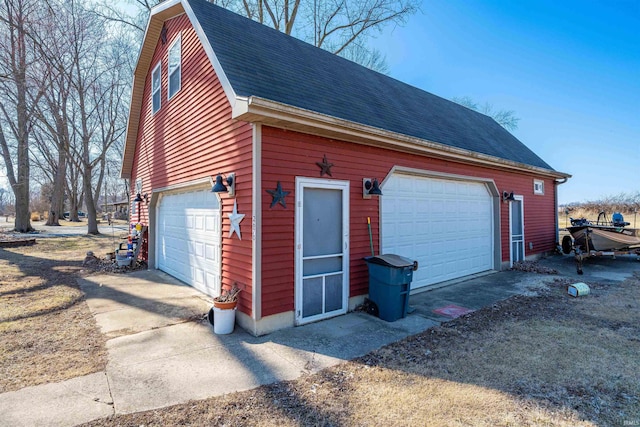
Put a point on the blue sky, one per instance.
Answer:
(569, 69)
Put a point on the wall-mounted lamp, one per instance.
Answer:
(507, 196)
(370, 187)
(144, 198)
(138, 200)
(220, 187)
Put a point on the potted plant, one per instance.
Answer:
(228, 299)
(223, 313)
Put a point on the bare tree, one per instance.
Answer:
(51, 132)
(99, 100)
(338, 24)
(505, 118)
(20, 88)
(74, 187)
(6, 202)
(83, 112)
(342, 27)
(114, 13)
(370, 58)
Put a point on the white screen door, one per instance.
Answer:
(322, 249)
(516, 230)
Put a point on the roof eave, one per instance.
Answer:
(259, 110)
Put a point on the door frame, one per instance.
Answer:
(331, 184)
(518, 198)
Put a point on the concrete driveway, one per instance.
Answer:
(162, 351)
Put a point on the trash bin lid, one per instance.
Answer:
(390, 260)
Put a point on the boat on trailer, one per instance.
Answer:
(601, 237)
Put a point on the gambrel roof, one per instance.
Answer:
(276, 79)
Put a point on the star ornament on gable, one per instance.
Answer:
(163, 34)
(325, 166)
(278, 196)
(235, 219)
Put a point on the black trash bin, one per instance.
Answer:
(389, 284)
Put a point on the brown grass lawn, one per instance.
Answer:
(528, 361)
(545, 360)
(47, 333)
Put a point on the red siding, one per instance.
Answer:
(193, 136)
(289, 154)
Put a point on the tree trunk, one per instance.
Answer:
(21, 185)
(92, 223)
(57, 198)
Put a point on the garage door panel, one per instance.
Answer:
(199, 225)
(198, 249)
(210, 225)
(446, 225)
(198, 276)
(188, 248)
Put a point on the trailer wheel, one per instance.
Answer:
(567, 244)
(371, 307)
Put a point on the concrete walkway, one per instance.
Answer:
(162, 352)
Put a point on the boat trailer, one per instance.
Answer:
(568, 246)
(581, 256)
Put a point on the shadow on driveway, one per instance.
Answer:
(157, 357)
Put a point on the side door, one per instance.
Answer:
(322, 249)
(516, 230)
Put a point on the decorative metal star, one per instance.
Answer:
(278, 196)
(325, 166)
(235, 219)
(163, 34)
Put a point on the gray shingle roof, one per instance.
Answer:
(262, 62)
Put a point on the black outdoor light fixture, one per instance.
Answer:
(144, 198)
(370, 187)
(138, 199)
(507, 196)
(220, 187)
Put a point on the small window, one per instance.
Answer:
(175, 67)
(155, 87)
(538, 186)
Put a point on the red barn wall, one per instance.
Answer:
(192, 136)
(287, 154)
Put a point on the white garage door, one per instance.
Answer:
(446, 225)
(189, 238)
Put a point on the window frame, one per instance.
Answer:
(157, 90)
(176, 69)
(538, 187)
